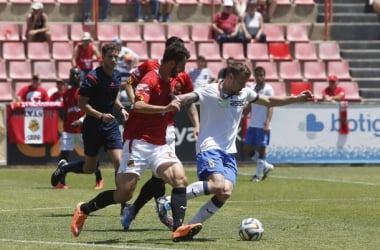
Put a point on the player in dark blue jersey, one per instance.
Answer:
(98, 96)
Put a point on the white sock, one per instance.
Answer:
(205, 212)
(259, 167)
(196, 189)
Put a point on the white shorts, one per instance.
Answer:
(139, 155)
(170, 137)
(69, 140)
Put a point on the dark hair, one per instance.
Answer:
(259, 69)
(173, 39)
(175, 53)
(238, 68)
(110, 47)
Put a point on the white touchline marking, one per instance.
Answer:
(33, 209)
(103, 246)
(319, 179)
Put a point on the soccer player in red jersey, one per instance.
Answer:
(145, 147)
(155, 187)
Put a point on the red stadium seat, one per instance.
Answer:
(305, 51)
(274, 32)
(257, 52)
(154, 32)
(63, 69)
(187, 2)
(38, 51)
(215, 67)
(201, 33)
(130, 32)
(107, 32)
(6, 92)
(339, 68)
(14, 51)
(290, 71)
(9, 32)
(318, 88)
(59, 31)
(20, 1)
(329, 51)
(179, 30)
(157, 50)
(351, 90)
(192, 50)
(62, 50)
(210, 51)
(20, 70)
(283, 2)
(279, 88)
(77, 29)
(118, 2)
(270, 70)
(3, 71)
(279, 51)
(297, 87)
(234, 50)
(45, 69)
(190, 65)
(141, 49)
(314, 70)
(304, 2)
(68, 1)
(297, 33)
(209, 2)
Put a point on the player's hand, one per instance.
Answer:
(174, 105)
(306, 96)
(76, 123)
(125, 114)
(107, 118)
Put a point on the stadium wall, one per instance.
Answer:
(304, 134)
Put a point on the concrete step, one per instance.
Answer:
(370, 93)
(372, 45)
(365, 72)
(360, 54)
(355, 31)
(349, 17)
(367, 82)
(343, 1)
(364, 63)
(346, 8)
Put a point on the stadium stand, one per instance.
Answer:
(297, 87)
(180, 30)
(14, 51)
(280, 51)
(3, 72)
(290, 70)
(314, 70)
(45, 69)
(297, 33)
(38, 51)
(305, 51)
(9, 32)
(234, 50)
(62, 50)
(59, 32)
(270, 70)
(210, 51)
(329, 51)
(257, 52)
(6, 91)
(274, 32)
(154, 32)
(130, 32)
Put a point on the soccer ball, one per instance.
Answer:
(251, 229)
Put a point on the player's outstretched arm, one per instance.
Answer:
(273, 101)
(188, 98)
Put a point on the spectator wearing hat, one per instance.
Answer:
(225, 25)
(33, 92)
(125, 51)
(252, 23)
(201, 76)
(83, 54)
(103, 10)
(333, 92)
(37, 29)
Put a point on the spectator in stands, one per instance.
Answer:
(267, 8)
(83, 54)
(33, 92)
(225, 25)
(37, 28)
(127, 59)
(201, 76)
(333, 92)
(240, 7)
(252, 23)
(138, 9)
(223, 72)
(57, 96)
(166, 7)
(104, 6)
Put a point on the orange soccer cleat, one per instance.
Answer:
(78, 220)
(186, 232)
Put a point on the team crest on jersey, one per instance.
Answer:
(131, 163)
(211, 163)
(33, 125)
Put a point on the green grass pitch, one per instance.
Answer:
(334, 207)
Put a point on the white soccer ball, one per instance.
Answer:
(251, 229)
